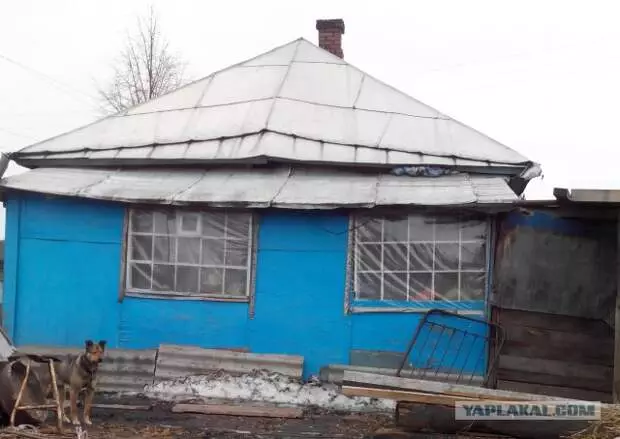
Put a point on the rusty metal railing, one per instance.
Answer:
(452, 347)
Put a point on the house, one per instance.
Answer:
(289, 204)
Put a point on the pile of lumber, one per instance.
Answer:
(430, 406)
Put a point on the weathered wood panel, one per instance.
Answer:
(440, 419)
(563, 356)
(551, 262)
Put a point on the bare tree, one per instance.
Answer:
(145, 69)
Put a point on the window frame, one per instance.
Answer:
(126, 291)
(354, 305)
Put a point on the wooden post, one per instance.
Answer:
(18, 400)
(59, 407)
(616, 383)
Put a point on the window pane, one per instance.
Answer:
(473, 230)
(446, 257)
(189, 222)
(473, 256)
(163, 277)
(164, 249)
(140, 276)
(141, 248)
(472, 286)
(187, 279)
(395, 257)
(420, 286)
(369, 257)
(211, 280)
(421, 257)
(447, 229)
(395, 286)
(141, 221)
(238, 225)
(212, 252)
(395, 230)
(189, 250)
(368, 286)
(368, 229)
(236, 253)
(446, 286)
(420, 228)
(235, 282)
(165, 223)
(213, 224)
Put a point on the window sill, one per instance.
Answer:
(410, 310)
(471, 307)
(195, 297)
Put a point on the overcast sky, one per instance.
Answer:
(542, 77)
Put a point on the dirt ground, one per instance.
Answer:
(159, 422)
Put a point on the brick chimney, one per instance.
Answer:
(330, 35)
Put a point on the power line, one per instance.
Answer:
(48, 78)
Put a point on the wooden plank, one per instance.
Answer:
(555, 391)
(553, 380)
(402, 395)
(354, 378)
(548, 344)
(240, 410)
(144, 408)
(590, 327)
(440, 419)
(555, 367)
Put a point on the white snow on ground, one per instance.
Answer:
(264, 387)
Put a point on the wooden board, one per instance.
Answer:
(556, 391)
(144, 408)
(402, 395)
(586, 327)
(440, 419)
(240, 410)
(552, 380)
(363, 379)
(556, 367)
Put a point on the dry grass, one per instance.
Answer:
(608, 427)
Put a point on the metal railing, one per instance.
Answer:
(453, 348)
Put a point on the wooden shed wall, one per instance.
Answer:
(554, 295)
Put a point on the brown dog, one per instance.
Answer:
(79, 374)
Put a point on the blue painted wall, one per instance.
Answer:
(63, 263)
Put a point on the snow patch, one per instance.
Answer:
(265, 387)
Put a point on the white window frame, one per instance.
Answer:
(353, 258)
(179, 212)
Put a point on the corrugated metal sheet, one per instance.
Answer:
(123, 370)
(181, 361)
(297, 102)
(280, 187)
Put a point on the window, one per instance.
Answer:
(419, 258)
(189, 252)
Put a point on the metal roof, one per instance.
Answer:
(297, 102)
(282, 187)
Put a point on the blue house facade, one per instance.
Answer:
(196, 229)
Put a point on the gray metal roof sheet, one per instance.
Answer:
(296, 102)
(283, 187)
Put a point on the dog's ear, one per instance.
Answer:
(102, 343)
(88, 344)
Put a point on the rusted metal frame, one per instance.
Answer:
(494, 331)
